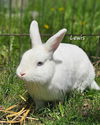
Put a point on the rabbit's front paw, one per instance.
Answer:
(39, 104)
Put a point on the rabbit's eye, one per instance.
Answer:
(39, 63)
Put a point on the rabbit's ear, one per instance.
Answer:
(34, 33)
(54, 41)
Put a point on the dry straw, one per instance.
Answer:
(12, 117)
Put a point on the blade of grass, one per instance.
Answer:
(24, 116)
(18, 115)
(10, 122)
(22, 98)
(7, 111)
(29, 118)
(11, 107)
(14, 114)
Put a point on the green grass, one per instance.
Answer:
(78, 17)
(77, 109)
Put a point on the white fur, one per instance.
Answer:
(65, 67)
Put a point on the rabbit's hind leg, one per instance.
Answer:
(80, 86)
(94, 85)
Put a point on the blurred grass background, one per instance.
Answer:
(79, 17)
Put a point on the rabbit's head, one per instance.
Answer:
(37, 64)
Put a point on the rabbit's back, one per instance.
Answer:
(73, 68)
(70, 52)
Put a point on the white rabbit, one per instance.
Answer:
(52, 69)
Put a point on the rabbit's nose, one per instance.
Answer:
(22, 74)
